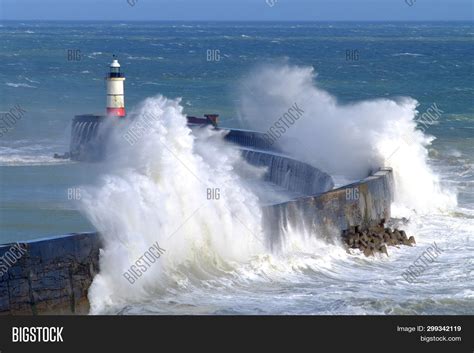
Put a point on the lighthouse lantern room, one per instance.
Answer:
(115, 90)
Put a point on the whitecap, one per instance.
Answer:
(407, 54)
(30, 80)
(16, 85)
(31, 160)
(138, 58)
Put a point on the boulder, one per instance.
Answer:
(375, 238)
(383, 249)
(368, 252)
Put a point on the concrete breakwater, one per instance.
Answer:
(290, 174)
(359, 204)
(89, 134)
(53, 275)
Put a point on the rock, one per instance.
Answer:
(375, 238)
(397, 234)
(377, 229)
(403, 234)
(368, 252)
(383, 249)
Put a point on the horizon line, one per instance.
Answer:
(99, 20)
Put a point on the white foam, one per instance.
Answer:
(158, 192)
(347, 140)
(16, 85)
(31, 160)
(407, 54)
(29, 153)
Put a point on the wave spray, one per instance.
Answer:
(157, 191)
(346, 140)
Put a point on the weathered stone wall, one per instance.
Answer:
(250, 139)
(289, 173)
(87, 138)
(51, 276)
(362, 203)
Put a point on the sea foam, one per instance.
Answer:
(347, 140)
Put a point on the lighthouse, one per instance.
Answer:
(115, 97)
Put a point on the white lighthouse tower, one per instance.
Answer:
(115, 91)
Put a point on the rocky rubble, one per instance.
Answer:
(375, 239)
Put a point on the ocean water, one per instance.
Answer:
(360, 85)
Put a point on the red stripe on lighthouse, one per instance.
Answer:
(116, 111)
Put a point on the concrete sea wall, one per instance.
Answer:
(289, 173)
(49, 276)
(52, 276)
(89, 134)
(86, 140)
(359, 204)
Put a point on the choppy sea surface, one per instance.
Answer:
(203, 63)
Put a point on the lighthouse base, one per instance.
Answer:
(116, 112)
